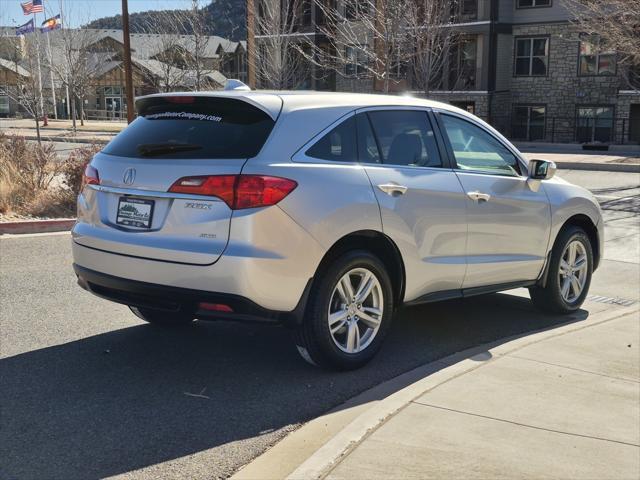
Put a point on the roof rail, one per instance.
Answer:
(236, 85)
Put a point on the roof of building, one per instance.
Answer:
(9, 65)
(148, 45)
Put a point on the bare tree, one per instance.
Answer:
(75, 64)
(617, 24)
(367, 39)
(278, 63)
(198, 43)
(166, 68)
(27, 92)
(433, 40)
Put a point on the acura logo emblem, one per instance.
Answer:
(129, 176)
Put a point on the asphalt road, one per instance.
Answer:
(89, 391)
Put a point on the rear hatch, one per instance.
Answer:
(131, 209)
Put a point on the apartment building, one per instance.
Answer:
(520, 64)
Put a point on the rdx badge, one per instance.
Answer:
(198, 206)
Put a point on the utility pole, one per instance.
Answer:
(127, 61)
(251, 44)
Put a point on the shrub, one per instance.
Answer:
(26, 169)
(73, 167)
(33, 181)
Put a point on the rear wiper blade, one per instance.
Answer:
(150, 149)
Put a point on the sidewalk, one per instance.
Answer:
(98, 132)
(562, 403)
(612, 161)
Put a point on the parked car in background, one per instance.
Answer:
(324, 212)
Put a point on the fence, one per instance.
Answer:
(585, 130)
(92, 114)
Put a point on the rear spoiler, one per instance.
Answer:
(267, 102)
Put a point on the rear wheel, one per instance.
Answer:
(161, 317)
(569, 275)
(350, 309)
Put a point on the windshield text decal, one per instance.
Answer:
(185, 115)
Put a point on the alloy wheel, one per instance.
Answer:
(355, 310)
(573, 271)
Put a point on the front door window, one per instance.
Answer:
(475, 149)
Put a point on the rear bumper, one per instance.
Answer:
(183, 300)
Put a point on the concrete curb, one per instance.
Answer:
(601, 167)
(65, 140)
(37, 226)
(376, 406)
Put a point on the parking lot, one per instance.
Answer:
(89, 391)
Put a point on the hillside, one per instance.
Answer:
(225, 18)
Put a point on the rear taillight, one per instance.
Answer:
(90, 176)
(238, 191)
(220, 186)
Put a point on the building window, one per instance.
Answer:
(399, 66)
(533, 3)
(306, 12)
(4, 101)
(595, 124)
(464, 64)
(595, 58)
(464, 105)
(532, 57)
(356, 60)
(354, 9)
(528, 122)
(464, 10)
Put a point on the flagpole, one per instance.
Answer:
(53, 88)
(38, 62)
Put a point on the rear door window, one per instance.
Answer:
(193, 127)
(405, 137)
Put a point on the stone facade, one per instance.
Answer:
(562, 91)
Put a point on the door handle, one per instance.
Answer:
(392, 188)
(479, 196)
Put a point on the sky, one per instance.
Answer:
(79, 12)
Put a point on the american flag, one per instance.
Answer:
(32, 6)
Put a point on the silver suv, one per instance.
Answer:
(323, 212)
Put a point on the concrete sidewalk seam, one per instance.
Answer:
(319, 466)
(629, 380)
(519, 424)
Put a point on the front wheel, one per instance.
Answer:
(350, 309)
(569, 275)
(160, 317)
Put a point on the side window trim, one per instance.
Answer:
(444, 156)
(452, 158)
(365, 116)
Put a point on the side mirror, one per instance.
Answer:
(541, 169)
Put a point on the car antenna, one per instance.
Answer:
(236, 85)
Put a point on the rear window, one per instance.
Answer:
(193, 127)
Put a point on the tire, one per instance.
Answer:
(161, 317)
(552, 298)
(356, 339)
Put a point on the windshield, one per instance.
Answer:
(193, 127)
